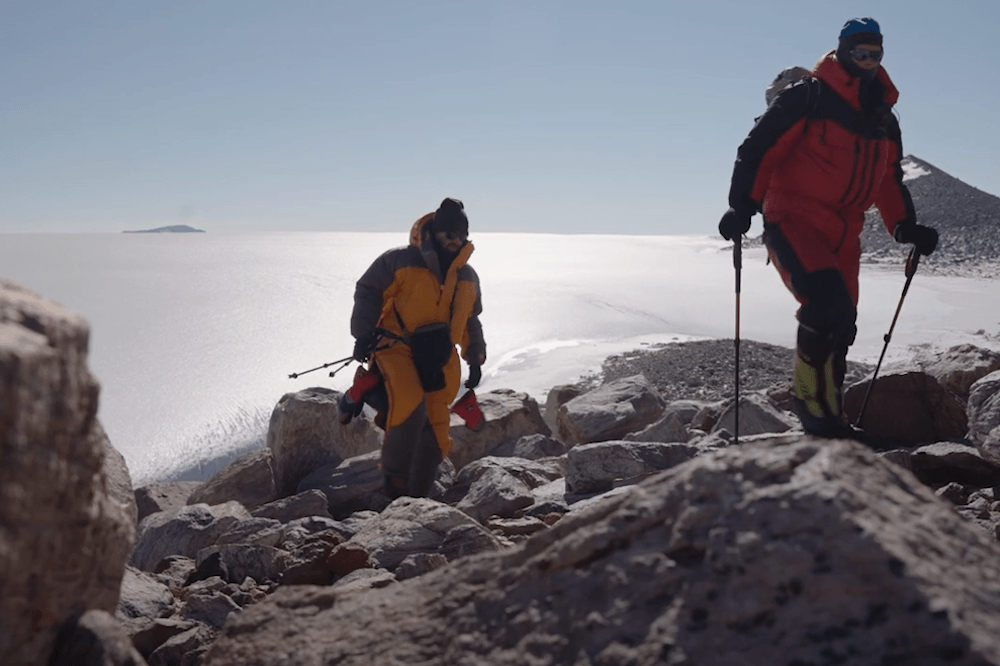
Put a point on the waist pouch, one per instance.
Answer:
(431, 347)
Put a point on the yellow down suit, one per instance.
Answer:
(402, 292)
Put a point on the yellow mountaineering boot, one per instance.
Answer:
(818, 397)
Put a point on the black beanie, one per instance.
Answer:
(450, 216)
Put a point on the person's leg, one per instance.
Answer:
(435, 440)
(826, 323)
(405, 419)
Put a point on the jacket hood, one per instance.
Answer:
(831, 72)
(427, 248)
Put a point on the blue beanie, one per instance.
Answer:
(856, 25)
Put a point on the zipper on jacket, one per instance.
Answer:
(854, 172)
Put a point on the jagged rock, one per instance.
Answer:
(183, 531)
(347, 558)
(305, 433)
(256, 531)
(302, 527)
(811, 552)
(516, 527)
(363, 580)
(209, 607)
(248, 480)
(185, 648)
(989, 448)
(143, 599)
(418, 564)
(307, 559)
(557, 397)
(163, 496)
(937, 464)
(908, 407)
(611, 411)
(758, 415)
(530, 447)
(301, 505)
(119, 481)
(147, 640)
(174, 570)
(958, 368)
(94, 639)
(984, 407)
(65, 531)
(239, 561)
(593, 468)
(502, 486)
(412, 525)
(508, 416)
(355, 484)
(669, 428)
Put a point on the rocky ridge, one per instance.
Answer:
(620, 523)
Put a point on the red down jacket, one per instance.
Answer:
(825, 151)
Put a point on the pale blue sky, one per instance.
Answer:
(558, 116)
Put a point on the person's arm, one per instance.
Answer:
(369, 295)
(893, 199)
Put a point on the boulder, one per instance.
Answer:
(989, 448)
(508, 417)
(758, 415)
(183, 531)
(984, 407)
(94, 639)
(355, 484)
(163, 495)
(611, 411)
(530, 447)
(143, 599)
(238, 561)
(65, 527)
(418, 525)
(248, 480)
(958, 368)
(809, 552)
(594, 468)
(669, 428)
(305, 434)
(301, 505)
(119, 481)
(907, 406)
(943, 462)
(556, 398)
(500, 486)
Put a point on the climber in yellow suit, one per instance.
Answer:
(411, 307)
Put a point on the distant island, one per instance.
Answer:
(172, 229)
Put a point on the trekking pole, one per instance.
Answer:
(738, 265)
(345, 361)
(911, 268)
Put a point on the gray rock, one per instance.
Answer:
(94, 639)
(411, 525)
(248, 480)
(301, 505)
(508, 417)
(669, 428)
(143, 599)
(163, 496)
(984, 407)
(758, 415)
(907, 406)
(355, 484)
(66, 529)
(418, 564)
(239, 561)
(815, 552)
(611, 411)
(254, 531)
(942, 462)
(183, 531)
(530, 447)
(593, 468)
(959, 367)
(305, 434)
(556, 398)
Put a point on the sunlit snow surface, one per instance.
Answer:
(194, 335)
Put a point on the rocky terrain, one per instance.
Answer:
(619, 523)
(967, 219)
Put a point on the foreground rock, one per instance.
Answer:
(780, 552)
(67, 514)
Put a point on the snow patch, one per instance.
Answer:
(913, 170)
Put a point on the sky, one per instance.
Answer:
(559, 116)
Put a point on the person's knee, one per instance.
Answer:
(828, 314)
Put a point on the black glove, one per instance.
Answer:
(924, 238)
(365, 345)
(475, 374)
(734, 224)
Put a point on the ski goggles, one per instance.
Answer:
(863, 55)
